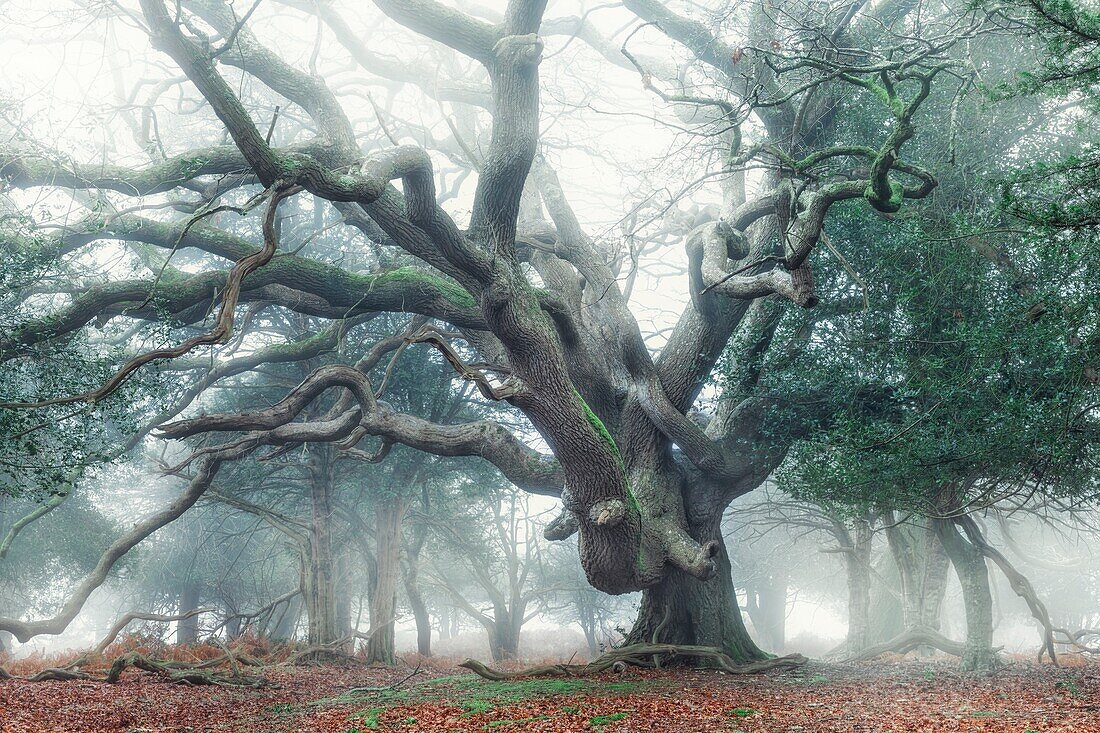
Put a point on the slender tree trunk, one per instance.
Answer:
(768, 611)
(187, 630)
(411, 573)
(344, 625)
(586, 617)
(320, 576)
(503, 635)
(683, 610)
(455, 625)
(388, 513)
(970, 566)
(233, 627)
(857, 561)
(445, 624)
(287, 620)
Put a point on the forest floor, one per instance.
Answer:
(892, 695)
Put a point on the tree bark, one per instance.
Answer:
(922, 569)
(857, 562)
(287, 621)
(444, 621)
(683, 610)
(320, 575)
(767, 604)
(885, 618)
(388, 513)
(969, 563)
(411, 574)
(504, 633)
(187, 630)
(586, 617)
(233, 626)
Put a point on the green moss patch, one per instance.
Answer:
(475, 696)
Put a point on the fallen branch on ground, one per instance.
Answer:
(179, 672)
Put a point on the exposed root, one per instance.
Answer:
(641, 655)
(912, 639)
(325, 653)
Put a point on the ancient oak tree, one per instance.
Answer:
(501, 276)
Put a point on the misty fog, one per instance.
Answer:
(755, 336)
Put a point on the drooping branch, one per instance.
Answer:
(33, 516)
(909, 640)
(26, 630)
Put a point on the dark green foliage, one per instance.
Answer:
(961, 354)
(957, 374)
(45, 450)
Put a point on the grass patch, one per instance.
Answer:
(1070, 686)
(742, 712)
(368, 718)
(607, 719)
(816, 679)
(476, 696)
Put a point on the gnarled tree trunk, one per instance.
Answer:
(684, 610)
(922, 569)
